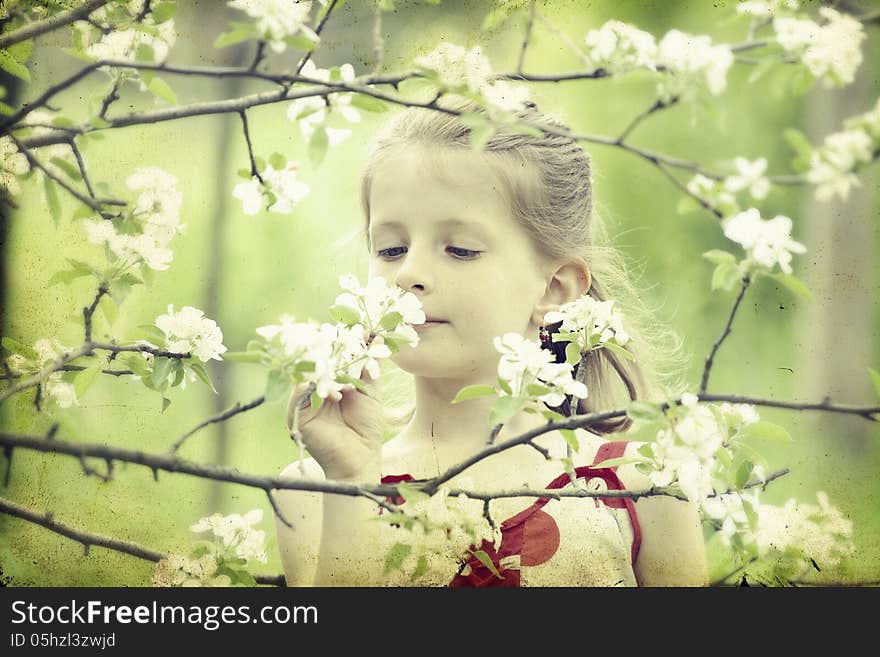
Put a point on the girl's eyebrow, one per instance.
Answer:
(476, 226)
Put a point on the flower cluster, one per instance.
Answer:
(278, 20)
(619, 47)
(525, 370)
(279, 189)
(796, 535)
(767, 242)
(144, 234)
(749, 175)
(45, 353)
(692, 63)
(135, 35)
(13, 163)
(331, 355)
(766, 8)
(189, 331)
(460, 71)
(832, 166)
(831, 51)
(588, 324)
(311, 112)
(713, 192)
(222, 561)
(440, 530)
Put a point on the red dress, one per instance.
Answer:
(595, 542)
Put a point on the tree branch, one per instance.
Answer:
(526, 37)
(324, 18)
(88, 539)
(225, 415)
(60, 19)
(711, 357)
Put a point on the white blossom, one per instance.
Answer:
(282, 184)
(595, 322)
(178, 570)
(236, 533)
(831, 51)
(13, 163)
(833, 165)
(457, 67)
(312, 111)
(62, 393)
(692, 62)
(766, 8)
(524, 362)
(376, 300)
(189, 331)
(277, 19)
(712, 192)
(749, 175)
(767, 243)
(729, 511)
(619, 47)
(506, 96)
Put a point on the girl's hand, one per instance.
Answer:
(345, 435)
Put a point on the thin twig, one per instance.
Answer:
(308, 55)
(48, 521)
(90, 311)
(258, 56)
(656, 107)
(60, 19)
(225, 415)
(80, 162)
(526, 37)
(247, 138)
(711, 357)
(111, 97)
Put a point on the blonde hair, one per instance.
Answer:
(555, 207)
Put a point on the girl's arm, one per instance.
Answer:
(673, 550)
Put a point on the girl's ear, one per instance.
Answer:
(568, 281)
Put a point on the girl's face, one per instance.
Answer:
(441, 228)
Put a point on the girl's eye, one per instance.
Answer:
(465, 254)
(390, 253)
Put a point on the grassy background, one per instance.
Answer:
(246, 271)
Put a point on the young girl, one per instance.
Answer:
(489, 241)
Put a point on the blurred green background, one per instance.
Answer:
(247, 271)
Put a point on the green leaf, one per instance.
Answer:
(385, 5)
(316, 401)
(161, 369)
(473, 392)
(537, 389)
(136, 363)
(235, 36)
(13, 346)
(801, 81)
(484, 559)
(504, 386)
(158, 87)
(368, 103)
(618, 350)
(572, 354)
(794, 284)
(391, 320)
(110, 309)
(496, 18)
(875, 378)
(767, 431)
(278, 386)
(178, 374)
(119, 290)
(480, 136)
(395, 557)
(163, 12)
(11, 65)
(6, 110)
(504, 409)
(571, 438)
(641, 410)
(165, 403)
(22, 50)
(798, 141)
(71, 170)
(725, 276)
(411, 493)
(719, 257)
(148, 332)
(242, 356)
(421, 568)
(344, 315)
(687, 204)
(52, 199)
(743, 473)
(318, 144)
(277, 160)
(85, 378)
(202, 373)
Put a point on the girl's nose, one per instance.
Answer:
(413, 274)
